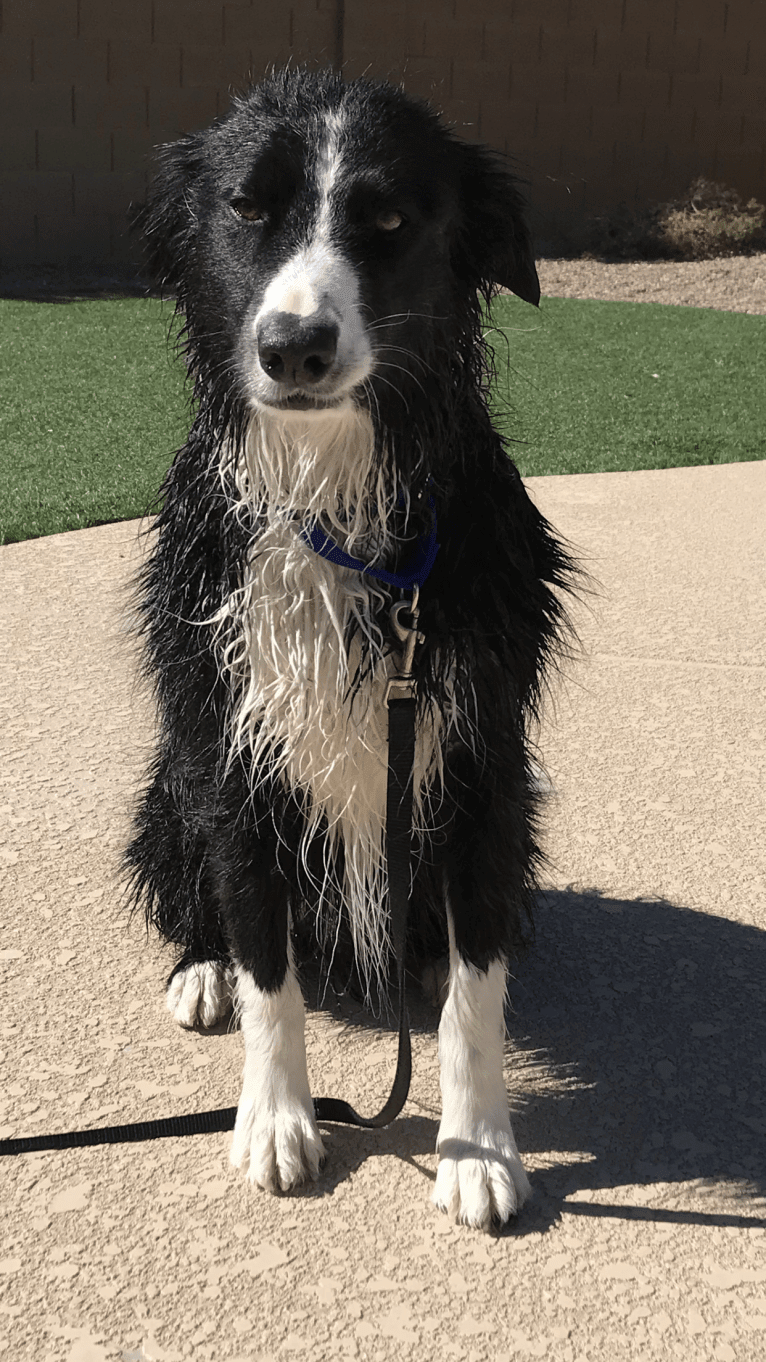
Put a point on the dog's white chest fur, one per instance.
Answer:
(296, 634)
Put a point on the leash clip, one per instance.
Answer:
(402, 686)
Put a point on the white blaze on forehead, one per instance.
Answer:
(329, 161)
(317, 278)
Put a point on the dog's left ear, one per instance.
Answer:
(167, 220)
(494, 241)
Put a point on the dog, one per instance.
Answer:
(332, 247)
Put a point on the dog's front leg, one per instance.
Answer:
(276, 1138)
(480, 1176)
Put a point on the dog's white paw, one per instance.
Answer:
(276, 1149)
(276, 1137)
(200, 994)
(480, 1178)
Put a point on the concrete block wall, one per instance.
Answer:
(601, 101)
(89, 87)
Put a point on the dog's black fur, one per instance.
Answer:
(215, 853)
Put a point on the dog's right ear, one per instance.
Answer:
(495, 245)
(167, 220)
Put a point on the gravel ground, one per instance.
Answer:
(734, 284)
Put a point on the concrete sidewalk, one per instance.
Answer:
(637, 1058)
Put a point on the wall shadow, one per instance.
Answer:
(62, 284)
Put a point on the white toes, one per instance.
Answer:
(276, 1137)
(480, 1177)
(277, 1150)
(480, 1182)
(200, 994)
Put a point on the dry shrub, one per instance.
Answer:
(710, 221)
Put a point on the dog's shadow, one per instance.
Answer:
(637, 1057)
(641, 1035)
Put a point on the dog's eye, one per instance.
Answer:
(245, 208)
(389, 222)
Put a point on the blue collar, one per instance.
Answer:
(415, 575)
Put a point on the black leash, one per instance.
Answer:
(401, 752)
(199, 1123)
(401, 704)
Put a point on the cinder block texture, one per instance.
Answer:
(605, 102)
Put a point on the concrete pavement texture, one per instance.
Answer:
(636, 1058)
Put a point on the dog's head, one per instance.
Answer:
(323, 238)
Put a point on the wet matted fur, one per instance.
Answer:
(332, 248)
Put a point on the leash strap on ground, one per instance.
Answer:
(198, 1123)
(401, 754)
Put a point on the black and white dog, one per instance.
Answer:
(331, 247)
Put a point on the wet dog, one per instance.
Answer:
(332, 248)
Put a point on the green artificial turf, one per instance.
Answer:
(94, 402)
(600, 387)
(93, 407)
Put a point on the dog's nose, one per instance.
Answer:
(293, 351)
